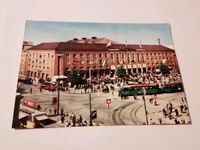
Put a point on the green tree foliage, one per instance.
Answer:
(75, 77)
(164, 68)
(121, 72)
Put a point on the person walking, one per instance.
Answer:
(31, 90)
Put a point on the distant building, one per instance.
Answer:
(100, 55)
(23, 63)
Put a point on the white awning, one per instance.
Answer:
(112, 67)
(43, 117)
(22, 114)
(54, 78)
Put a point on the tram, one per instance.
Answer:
(150, 89)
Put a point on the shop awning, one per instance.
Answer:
(43, 117)
(22, 114)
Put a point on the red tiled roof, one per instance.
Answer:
(95, 44)
(45, 46)
(81, 46)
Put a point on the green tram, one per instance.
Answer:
(150, 89)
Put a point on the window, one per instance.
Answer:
(40, 56)
(82, 62)
(48, 55)
(100, 56)
(88, 62)
(111, 55)
(106, 55)
(67, 55)
(88, 55)
(122, 56)
(94, 55)
(74, 55)
(81, 55)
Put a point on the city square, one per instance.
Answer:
(98, 81)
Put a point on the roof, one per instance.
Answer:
(46, 46)
(95, 44)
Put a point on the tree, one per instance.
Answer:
(75, 77)
(164, 68)
(121, 71)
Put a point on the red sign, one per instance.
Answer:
(29, 103)
(108, 101)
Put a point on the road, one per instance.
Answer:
(120, 112)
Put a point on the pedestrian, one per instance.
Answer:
(62, 118)
(160, 120)
(164, 112)
(50, 111)
(62, 111)
(40, 89)
(176, 121)
(182, 108)
(80, 119)
(55, 111)
(31, 91)
(176, 112)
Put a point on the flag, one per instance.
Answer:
(109, 43)
(140, 45)
(122, 61)
(126, 43)
(103, 63)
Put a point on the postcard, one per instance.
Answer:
(76, 74)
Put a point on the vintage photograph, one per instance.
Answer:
(76, 74)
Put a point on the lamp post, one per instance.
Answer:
(145, 108)
(90, 108)
(58, 81)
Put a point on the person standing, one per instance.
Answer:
(31, 90)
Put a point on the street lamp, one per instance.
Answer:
(58, 81)
(145, 108)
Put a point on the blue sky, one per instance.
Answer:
(44, 31)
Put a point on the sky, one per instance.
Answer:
(45, 31)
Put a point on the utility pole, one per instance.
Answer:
(58, 81)
(90, 108)
(145, 107)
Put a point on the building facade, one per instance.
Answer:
(96, 57)
(23, 63)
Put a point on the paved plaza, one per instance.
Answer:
(128, 111)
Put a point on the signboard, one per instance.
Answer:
(29, 103)
(129, 66)
(134, 66)
(139, 65)
(108, 102)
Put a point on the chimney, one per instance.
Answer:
(84, 38)
(94, 37)
(75, 39)
(158, 41)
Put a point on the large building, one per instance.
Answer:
(98, 56)
(23, 63)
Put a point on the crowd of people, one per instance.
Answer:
(174, 113)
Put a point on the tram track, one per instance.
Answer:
(126, 114)
(116, 117)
